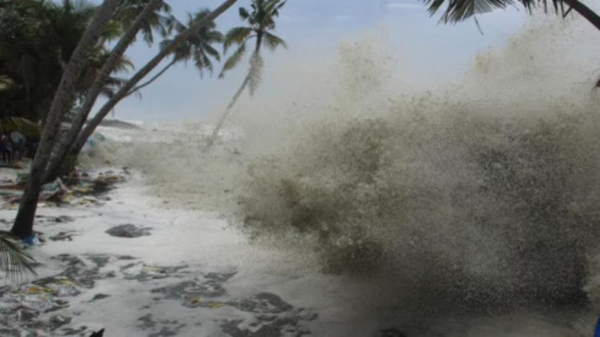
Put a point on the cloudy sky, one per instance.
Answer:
(313, 29)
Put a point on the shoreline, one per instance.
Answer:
(189, 268)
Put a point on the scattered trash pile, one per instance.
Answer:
(33, 309)
(51, 306)
(82, 188)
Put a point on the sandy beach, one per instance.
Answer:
(187, 273)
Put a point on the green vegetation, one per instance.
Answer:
(54, 63)
(460, 10)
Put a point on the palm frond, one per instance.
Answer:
(209, 50)
(14, 262)
(237, 35)
(147, 34)
(124, 64)
(272, 7)
(215, 37)
(160, 21)
(460, 10)
(255, 72)
(233, 60)
(107, 92)
(202, 62)
(272, 41)
(244, 15)
(112, 31)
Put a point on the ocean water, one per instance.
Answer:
(466, 207)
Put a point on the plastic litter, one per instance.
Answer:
(31, 240)
(64, 289)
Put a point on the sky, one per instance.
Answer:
(313, 29)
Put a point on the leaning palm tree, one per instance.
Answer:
(197, 47)
(260, 21)
(460, 10)
(160, 20)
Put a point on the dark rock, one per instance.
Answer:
(98, 297)
(128, 231)
(63, 236)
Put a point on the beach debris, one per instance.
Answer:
(147, 273)
(63, 236)
(54, 191)
(81, 273)
(58, 286)
(34, 239)
(32, 308)
(56, 219)
(82, 189)
(128, 231)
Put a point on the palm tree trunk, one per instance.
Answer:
(87, 131)
(62, 148)
(160, 73)
(259, 37)
(584, 11)
(23, 225)
(221, 122)
(225, 114)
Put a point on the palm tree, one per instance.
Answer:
(112, 83)
(260, 22)
(160, 20)
(197, 47)
(39, 37)
(460, 10)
